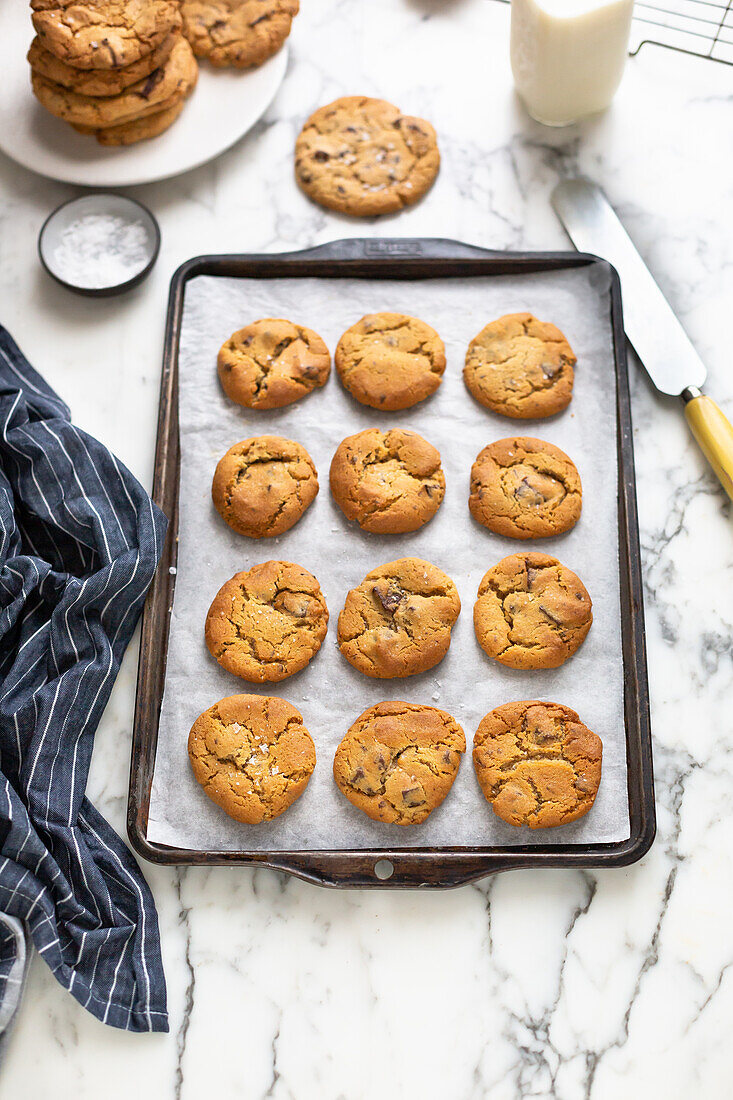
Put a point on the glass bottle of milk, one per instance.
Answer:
(568, 56)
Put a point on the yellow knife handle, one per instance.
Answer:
(714, 433)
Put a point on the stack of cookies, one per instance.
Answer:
(120, 70)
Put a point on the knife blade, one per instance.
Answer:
(652, 328)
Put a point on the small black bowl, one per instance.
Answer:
(99, 202)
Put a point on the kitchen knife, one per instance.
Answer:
(657, 336)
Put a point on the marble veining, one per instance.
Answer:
(562, 984)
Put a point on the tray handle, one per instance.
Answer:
(391, 869)
(369, 248)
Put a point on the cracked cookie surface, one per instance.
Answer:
(390, 361)
(271, 363)
(262, 486)
(398, 621)
(158, 91)
(252, 755)
(520, 367)
(531, 612)
(525, 488)
(268, 622)
(96, 82)
(537, 764)
(363, 157)
(238, 33)
(104, 34)
(398, 761)
(389, 482)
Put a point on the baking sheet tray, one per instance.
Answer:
(329, 693)
(173, 820)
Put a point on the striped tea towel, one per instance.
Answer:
(79, 542)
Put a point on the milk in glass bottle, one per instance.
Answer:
(568, 56)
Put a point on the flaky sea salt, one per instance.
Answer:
(101, 250)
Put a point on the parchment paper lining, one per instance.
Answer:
(329, 692)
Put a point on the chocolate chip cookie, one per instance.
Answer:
(140, 129)
(267, 623)
(262, 486)
(390, 361)
(252, 755)
(398, 621)
(525, 489)
(96, 82)
(160, 90)
(272, 363)
(389, 482)
(104, 34)
(520, 367)
(398, 761)
(240, 33)
(537, 764)
(531, 612)
(362, 156)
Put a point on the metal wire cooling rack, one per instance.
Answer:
(701, 27)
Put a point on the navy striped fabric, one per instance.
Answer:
(79, 542)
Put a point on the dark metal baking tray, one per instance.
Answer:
(393, 258)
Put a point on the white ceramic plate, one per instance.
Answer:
(224, 106)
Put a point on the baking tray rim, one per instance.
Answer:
(438, 866)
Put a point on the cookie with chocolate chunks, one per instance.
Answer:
(271, 363)
(163, 88)
(537, 764)
(97, 82)
(104, 34)
(389, 482)
(525, 488)
(268, 622)
(398, 621)
(520, 367)
(237, 33)
(362, 156)
(531, 612)
(398, 761)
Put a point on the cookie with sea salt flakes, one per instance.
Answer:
(389, 482)
(165, 86)
(520, 367)
(268, 622)
(252, 756)
(531, 612)
(390, 361)
(362, 156)
(537, 764)
(99, 82)
(398, 761)
(398, 621)
(525, 488)
(271, 363)
(262, 486)
(238, 33)
(104, 34)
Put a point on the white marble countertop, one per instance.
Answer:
(545, 984)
